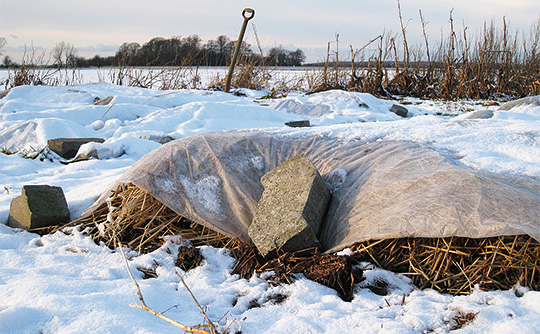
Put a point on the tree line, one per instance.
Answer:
(174, 51)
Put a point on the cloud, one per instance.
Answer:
(98, 47)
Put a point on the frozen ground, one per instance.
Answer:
(67, 284)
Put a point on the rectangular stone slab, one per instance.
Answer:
(67, 147)
(292, 208)
(399, 110)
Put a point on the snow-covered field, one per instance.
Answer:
(155, 77)
(67, 284)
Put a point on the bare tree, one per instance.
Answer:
(7, 62)
(64, 54)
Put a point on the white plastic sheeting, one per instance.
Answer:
(381, 190)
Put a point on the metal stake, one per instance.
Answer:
(251, 13)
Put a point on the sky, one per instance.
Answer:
(101, 26)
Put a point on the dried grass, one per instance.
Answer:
(140, 221)
(462, 319)
(455, 265)
(449, 265)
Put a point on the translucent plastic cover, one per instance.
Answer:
(380, 190)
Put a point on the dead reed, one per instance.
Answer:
(455, 265)
(140, 222)
(35, 70)
(493, 63)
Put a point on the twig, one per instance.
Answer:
(131, 275)
(212, 328)
(157, 314)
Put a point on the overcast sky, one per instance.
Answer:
(100, 26)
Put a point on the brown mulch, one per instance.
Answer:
(188, 258)
(336, 272)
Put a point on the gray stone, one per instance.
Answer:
(67, 147)
(298, 108)
(38, 206)
(292, 208)
(104, 101)
(479, 114)
(399, 110)
(4, 93)
(526, 101)
(298, 124)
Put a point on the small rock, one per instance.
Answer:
(38, 206)
(363, 105)
(104, 101)
(298, 124)
(162, 139)
(100, 153)
(399, 110)
(4, 93)
(478, 114)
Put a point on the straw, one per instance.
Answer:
(454, 265)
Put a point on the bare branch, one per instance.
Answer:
(160, 315)
(212, 328)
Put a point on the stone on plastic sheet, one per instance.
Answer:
(292, 208)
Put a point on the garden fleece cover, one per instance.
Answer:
(381, 190)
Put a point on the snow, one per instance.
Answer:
(67, 284)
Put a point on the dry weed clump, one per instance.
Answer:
(166, 77)
(35, 70)
(248, 74)
(494, 63)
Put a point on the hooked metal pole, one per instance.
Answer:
(251, 13)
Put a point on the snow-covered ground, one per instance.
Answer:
(66, 284)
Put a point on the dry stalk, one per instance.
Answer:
(210, 323)
(141, 221)
(405, 45)
(144, 307)
(456, 265)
